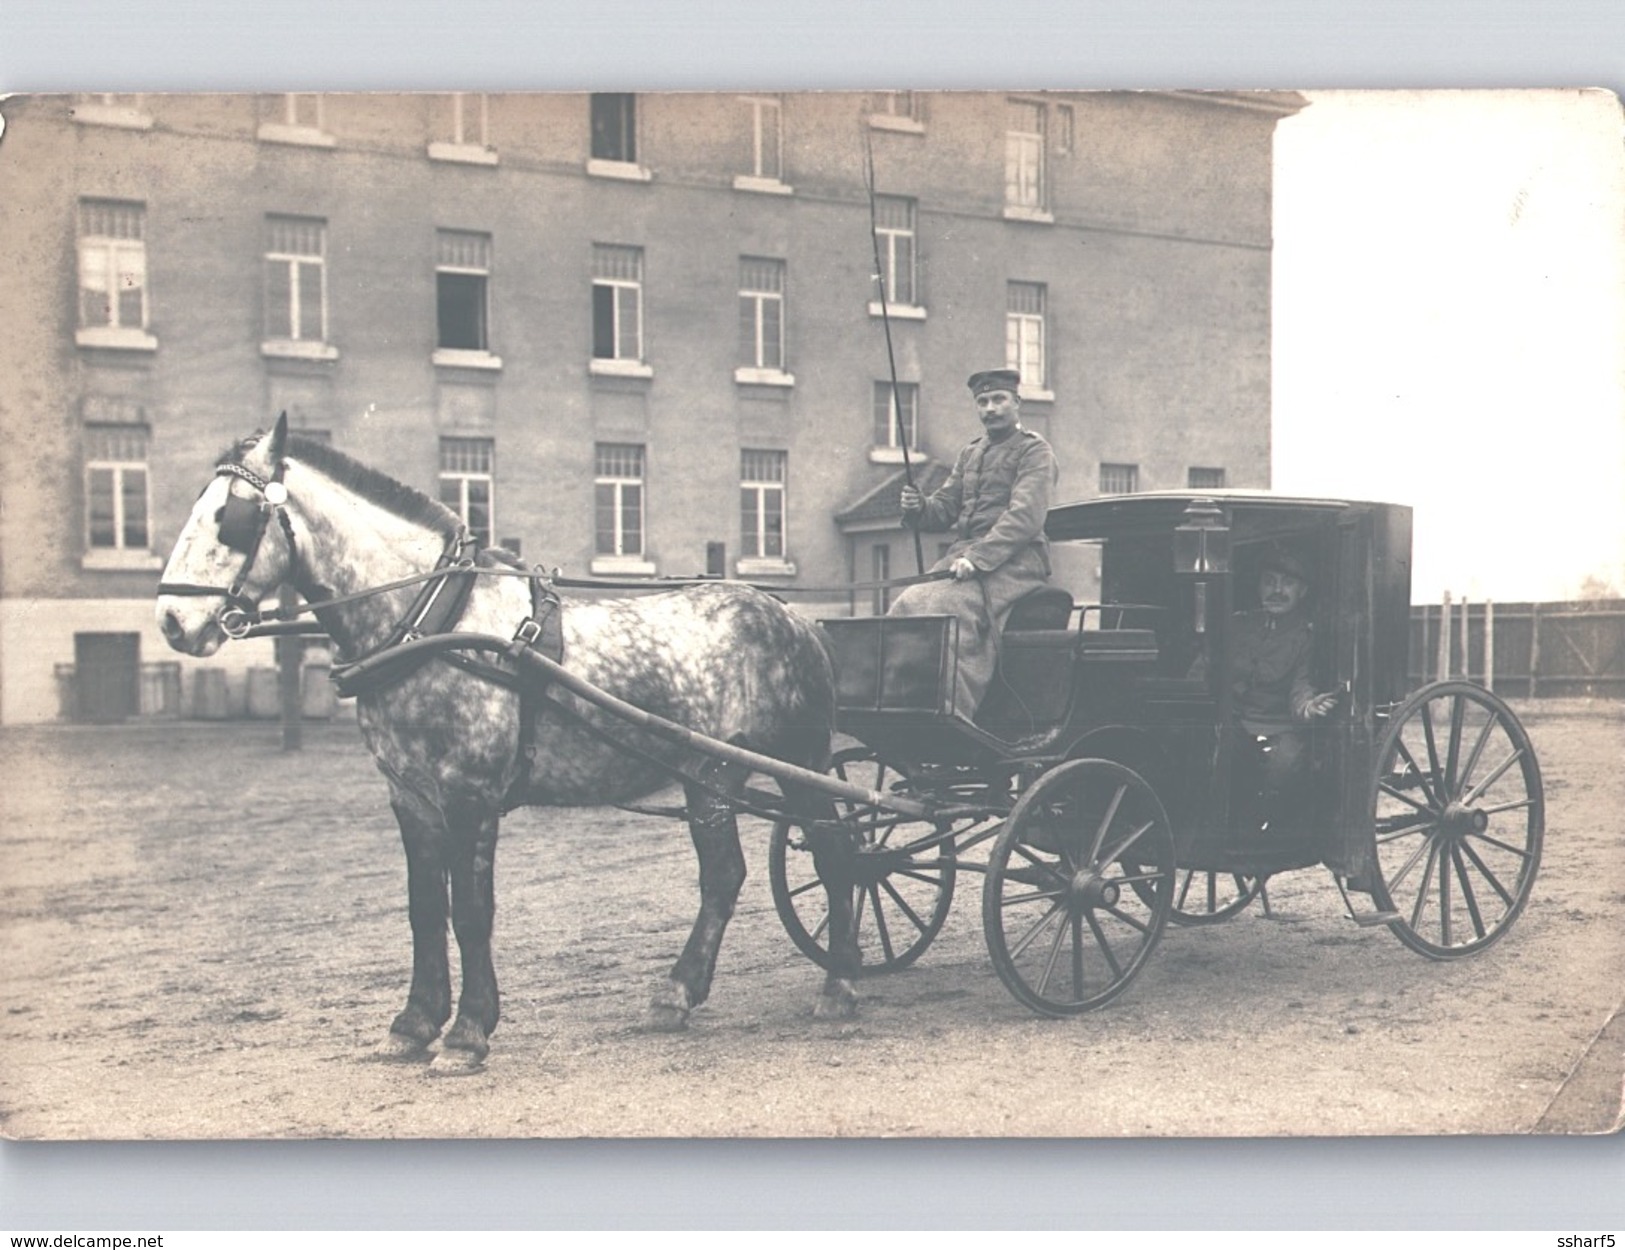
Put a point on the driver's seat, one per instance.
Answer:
(1042, 607)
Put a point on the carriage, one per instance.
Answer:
(1100, 790)
(1109, 786)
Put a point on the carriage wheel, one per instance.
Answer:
(902, 889)
(1459, 816)
(1207, 897)
(1079, 887)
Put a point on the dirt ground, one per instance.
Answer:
(207, 937)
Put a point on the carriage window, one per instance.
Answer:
(296, 279)
(761, 504)
(462, 274)
(116, 502)
(1024, 334)
(467, 484)
(1025, 192)
(894, 227)
(885, 410)
(761, 313)
(614, 127)
(618, 499)
(1204, 479)
(1119, 479)
(617, 302)
(113, 274)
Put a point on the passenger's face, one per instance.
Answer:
(998, 410)
(1280, 592)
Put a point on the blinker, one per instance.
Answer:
(241, 522)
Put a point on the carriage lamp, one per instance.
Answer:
(1201, 550)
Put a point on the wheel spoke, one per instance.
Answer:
(1105, 824)
(1519, 851)
(1416, 855)
(1425, 808)
(1134, 922)
(1507, 807)
(902, 905)
(1484, 869)
(927, 876)
(1105, 946)
(1467, 895)
(1118, 850)
(1433, 750)
(1038, 926)
(1478, 749)
(1458, 709)
(1426, 781)
(1427, 884)
(1394, 832)
(1054, 958)
(1494, 776)
(798, 891)
(880, 923)
(1077, 958)
(1445, 917)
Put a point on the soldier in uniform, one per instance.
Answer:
(995, 502)
(1274, 702)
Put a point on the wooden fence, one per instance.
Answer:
(1525, 650)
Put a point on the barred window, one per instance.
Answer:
(618, 499)
(296, 278)
(117, 507)
(1119, 479)
(761, 492)
(1204, 479)
(468, 484)
(1024, 155)
(617, 302)
(462, 276)
(112, 264)
(761, 312)
(1024, 333)
(885, 410)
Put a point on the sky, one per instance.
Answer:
(1449, 328)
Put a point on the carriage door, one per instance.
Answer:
(108, 676)
(1346, 743)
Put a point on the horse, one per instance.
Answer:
(458, 748)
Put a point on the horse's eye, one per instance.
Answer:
(220, 514)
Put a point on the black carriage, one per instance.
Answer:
(1105, 787)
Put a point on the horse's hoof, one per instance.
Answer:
(396, 1048)
(837, 1002)
(454, 1061)
(668, 1010)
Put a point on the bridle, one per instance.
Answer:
(243, 523)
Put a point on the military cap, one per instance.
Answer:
(1279, 559)
(994, 380)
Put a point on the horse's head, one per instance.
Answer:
(232, 551)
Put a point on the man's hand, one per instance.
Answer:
(962, 569)
(911, 499)
(1319, 705)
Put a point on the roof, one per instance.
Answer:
(881, 503)
(1163, 510)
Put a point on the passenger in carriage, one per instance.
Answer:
(995, 501)
(1274, 702)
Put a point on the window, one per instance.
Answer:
(1065, 138)
(761, 314)
(885, 410)
(462, 278)
(767, 144)
(894, 227)
(116, 503)
(463, 119)
(897, 110)
(618, 499)
(295, 117)
(1024, 335)
(880, 571)
(1119, 479)
(295, 284)
(467, 485)
(113, 275)
(761, 504)
(1025, 192)
(614, 150)
(617, 304)
(1204, 479)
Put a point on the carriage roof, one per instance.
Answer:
(1252, 514)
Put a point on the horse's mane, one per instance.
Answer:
(371, 484)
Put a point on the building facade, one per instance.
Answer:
(632, 335)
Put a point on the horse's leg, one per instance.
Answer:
(832, 858)
(471, 850)
(428, 1005)
(715, 831)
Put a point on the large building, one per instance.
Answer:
(634, 335)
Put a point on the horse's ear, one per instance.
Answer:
(279, 436)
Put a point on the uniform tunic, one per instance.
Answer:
(995, 502)
(1269, 670)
